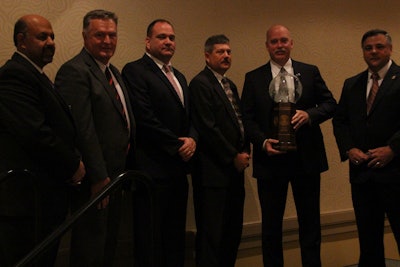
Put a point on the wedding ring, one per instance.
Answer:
(378, 163)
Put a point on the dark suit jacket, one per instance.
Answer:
(160, 116)
(316, 100)
(354, 128)
(220, 139)
(36, 133)
(103, 135)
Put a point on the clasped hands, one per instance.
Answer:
(376, 158)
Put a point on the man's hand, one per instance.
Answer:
(78, 175)
(186, 151)
(269, 149)
(241, 161)
(357, 156)
(380, 157)
(96, 188)
(299, 119)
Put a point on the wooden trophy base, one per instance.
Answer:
(284, 132)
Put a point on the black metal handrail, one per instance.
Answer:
(115, 184)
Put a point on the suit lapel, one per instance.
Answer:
(153, 66)
(391, 77)
(45, 81)
(101, 77)
(267, 78)
(222, 95)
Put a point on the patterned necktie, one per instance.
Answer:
(373, 91)
(283, 87)
(117, 96)
(171, 79)
(235, 106)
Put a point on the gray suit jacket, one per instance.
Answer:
(103, 136)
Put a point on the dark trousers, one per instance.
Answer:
(371, 201)
(219, 222)
(272, 193)
(160, 227)
(94, 238)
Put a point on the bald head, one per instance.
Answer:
(279, 44)
(34, 37)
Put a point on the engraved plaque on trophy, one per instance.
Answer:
(285, 89)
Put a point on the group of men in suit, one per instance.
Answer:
(94, 123)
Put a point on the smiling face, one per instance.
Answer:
(100, 39)
(219, 59)
(37, 42)
(377, 51)
(279, 44)
(161, 42)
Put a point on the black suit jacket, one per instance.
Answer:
(103, 134)
(316, 100)
(353, 128)
(36, 132)
(220, 139)
(161, 118)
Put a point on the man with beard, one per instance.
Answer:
(274, 169)
(36, 133)
(222, 157)
(96, 93)
(165, 144)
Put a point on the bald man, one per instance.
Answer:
(274, 169)
(36, 133)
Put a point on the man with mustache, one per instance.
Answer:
(367, 131)
(98, 99)
(36, 133)
(275, 169)
(223, 155)
(166, 141)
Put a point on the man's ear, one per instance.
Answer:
(21, 40)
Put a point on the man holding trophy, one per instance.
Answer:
(284, 102)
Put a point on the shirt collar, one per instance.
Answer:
(217, 75)
(158, 62)
(382, 72)
(276, 68)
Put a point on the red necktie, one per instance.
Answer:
(373, 91)
(111, 83)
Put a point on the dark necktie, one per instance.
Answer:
(171, 79)
(373, 91)
(117, 97)
(235, 106)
